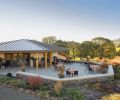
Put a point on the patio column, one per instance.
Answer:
(36, 60)
(46, 60)
(51, 55)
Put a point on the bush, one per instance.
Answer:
(34, 82)
(58, 87)
(111, 97)
(74, 94)
(22, 84)
(96, 59)
(5, 80)
(69, 94)
(103, 68)
(13, 82)
(8, 81)
(43, 91)
(117, 71)
(61, 71)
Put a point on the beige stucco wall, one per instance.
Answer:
(55, 54)
(59, 56)
(2, 55)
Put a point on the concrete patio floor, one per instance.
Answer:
(49, 71)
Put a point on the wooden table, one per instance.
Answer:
(72, 71)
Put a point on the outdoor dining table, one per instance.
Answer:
(72, 71)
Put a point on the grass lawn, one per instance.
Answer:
(77, 59)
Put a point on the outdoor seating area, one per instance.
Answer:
(70, 70)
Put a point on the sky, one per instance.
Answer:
(70, 20)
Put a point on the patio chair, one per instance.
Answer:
(68, 73)
(76, 73)
(89, 68)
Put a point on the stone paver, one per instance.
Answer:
(7, 93)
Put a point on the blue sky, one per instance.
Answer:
(77, 20)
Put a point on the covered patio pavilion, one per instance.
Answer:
(13, 51)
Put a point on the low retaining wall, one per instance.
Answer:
(103, 77)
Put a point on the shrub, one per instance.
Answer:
(22, 84)
(117, 71)
(22, 65)
(75, 94)
(34, 82)
(69, 94)
(61, 71)
(4, 80)
(96, 59)
(8, 81)
(13, 82)
(58, 87)
(111, 97)
(43, 91)
(103, 68)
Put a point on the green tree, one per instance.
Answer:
(61, 43)
(88, 49)
(107, 47)
(73, 48)
(49, 40)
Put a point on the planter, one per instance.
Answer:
(31, 63)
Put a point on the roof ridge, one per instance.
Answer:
(11, 41)
(49, 44)
(35, 44)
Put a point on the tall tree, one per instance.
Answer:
(73, 48)
(88, 49)
(61, 43)
(49, 40)
(107, 47)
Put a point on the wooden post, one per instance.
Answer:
(46, 60)
(36, 60)
(51, 56)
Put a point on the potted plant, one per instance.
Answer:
(61, 72)
(22, 66)
(31, 61)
